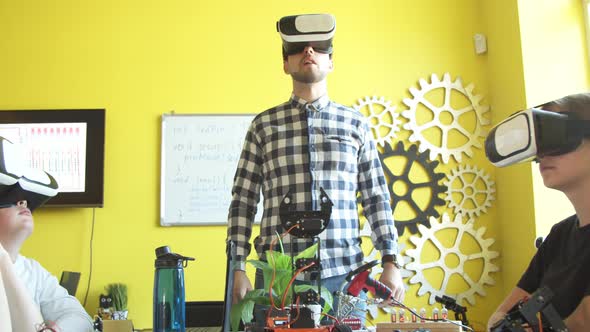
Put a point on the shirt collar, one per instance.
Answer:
(318, 104)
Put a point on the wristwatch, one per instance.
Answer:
(390, 259)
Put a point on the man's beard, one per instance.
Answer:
(309, 77)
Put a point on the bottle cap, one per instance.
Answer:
(167, 259)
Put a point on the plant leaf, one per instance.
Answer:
(118, 293)
(278, 260)
(280, 242)
(309, 252)
(281, 265)
(235, 314)
(281, 280)
(243, 310)
(259, 264)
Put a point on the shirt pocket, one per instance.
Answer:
(336, 150)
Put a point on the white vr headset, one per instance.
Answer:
(18, 182)
(299, 31)
(533, 133)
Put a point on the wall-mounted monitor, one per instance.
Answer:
(68, 144)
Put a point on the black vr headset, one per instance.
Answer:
(18, 182)
(299, 31)
(533, 133)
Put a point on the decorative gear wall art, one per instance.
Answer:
(475, 189)
(445, 117)
(414, 159)
(377, 270)
(382, 117)
(463, 232)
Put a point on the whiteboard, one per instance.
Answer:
(199, 157)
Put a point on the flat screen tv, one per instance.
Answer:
(68, 144)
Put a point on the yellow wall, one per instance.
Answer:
(556, 64)
(140, 59)
(515, 216)
(553, 49)
(537, 54)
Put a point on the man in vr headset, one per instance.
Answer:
(302, 145)
(30, 297)
(557, 136)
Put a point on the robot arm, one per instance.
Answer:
(525, 314)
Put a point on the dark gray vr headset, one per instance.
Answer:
(18, 182)
(299, 31)
(533, 133)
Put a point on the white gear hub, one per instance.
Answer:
(377, 270)
(471, 180)
(462, 230)
(379, 118)
(471, 135)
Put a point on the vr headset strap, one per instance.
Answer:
(579, 126)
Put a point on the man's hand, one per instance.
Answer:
(242, 285)
(392, 278)
(496, 316)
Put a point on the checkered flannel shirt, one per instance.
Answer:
(304, 147)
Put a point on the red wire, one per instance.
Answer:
(330, 316)
(272, 280)
(293, 279)
(298, 311)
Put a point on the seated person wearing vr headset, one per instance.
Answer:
(557, 136)
(30, 297)
(305, 144)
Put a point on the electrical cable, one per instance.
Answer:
(298, 311)
(331, 317)
(293, 279)
(274, 270)
(274, 265)
(91, 245)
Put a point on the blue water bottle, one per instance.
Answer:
(169, 291)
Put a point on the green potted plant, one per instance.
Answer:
(118, 293)
(281, 265)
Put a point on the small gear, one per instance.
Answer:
(377, 270)
(444, 149)
(421, 159)
(463, 230)
(382, 119)
(476, 190)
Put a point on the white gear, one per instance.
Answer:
(444, 150)
(377, 270)
(470, 190)
(463, 229)
(378, 120)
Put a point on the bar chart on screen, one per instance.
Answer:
(58, 148)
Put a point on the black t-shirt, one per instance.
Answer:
(562, 263)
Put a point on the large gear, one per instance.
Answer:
(429, 235)
(377, 270)
(476, 190)
(383, 119)
(445, 150)
(421, 159)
